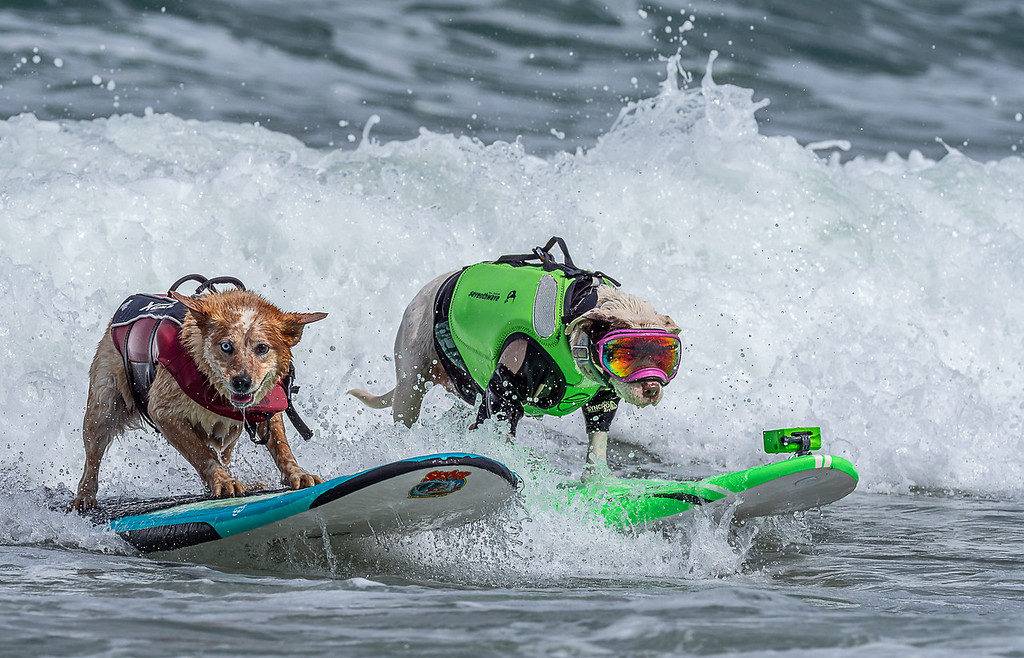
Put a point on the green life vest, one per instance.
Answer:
(493, 301)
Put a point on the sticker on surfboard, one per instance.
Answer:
(439, 483)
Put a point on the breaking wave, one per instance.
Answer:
(878, 298)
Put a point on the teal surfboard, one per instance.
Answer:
(802, 482)
(418, 493)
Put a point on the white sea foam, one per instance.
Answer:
(877, 298)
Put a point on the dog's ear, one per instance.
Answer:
(295, 322)
(670, 325)
(194, 304)
(586, 321)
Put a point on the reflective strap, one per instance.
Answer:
(545, 305)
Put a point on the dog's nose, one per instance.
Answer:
(651, 389)
(241, 383)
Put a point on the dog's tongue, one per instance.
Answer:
(240, 400)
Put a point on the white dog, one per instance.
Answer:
(545, 338)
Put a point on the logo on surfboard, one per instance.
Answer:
(439, 483)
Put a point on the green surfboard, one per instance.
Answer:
(802, 482)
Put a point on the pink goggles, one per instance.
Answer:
(632, 354)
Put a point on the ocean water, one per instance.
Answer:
(869, 287)
(887, 75)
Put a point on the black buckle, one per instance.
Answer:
(253, 431)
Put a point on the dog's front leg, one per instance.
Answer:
(597, 417)
(292, 474)
(597, 454)
(207, 463)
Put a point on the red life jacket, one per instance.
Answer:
(146, 330)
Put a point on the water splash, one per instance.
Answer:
(877, 298)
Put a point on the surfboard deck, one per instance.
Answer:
(791, 485)
(418, 493)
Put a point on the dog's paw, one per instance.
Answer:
(299, 479)
(84, 502)
(596, 472)
(222, 485)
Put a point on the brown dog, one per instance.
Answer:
(234, 349)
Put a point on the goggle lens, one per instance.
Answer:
(626, 355)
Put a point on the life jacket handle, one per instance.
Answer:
(543, 254)
(206, 284)
(548, 262)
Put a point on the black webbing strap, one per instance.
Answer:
(543, 255)
(205, 283)
(289, 388)
(252, 429)
(546, 259)
(210, 284)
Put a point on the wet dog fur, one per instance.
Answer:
(262, 337)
